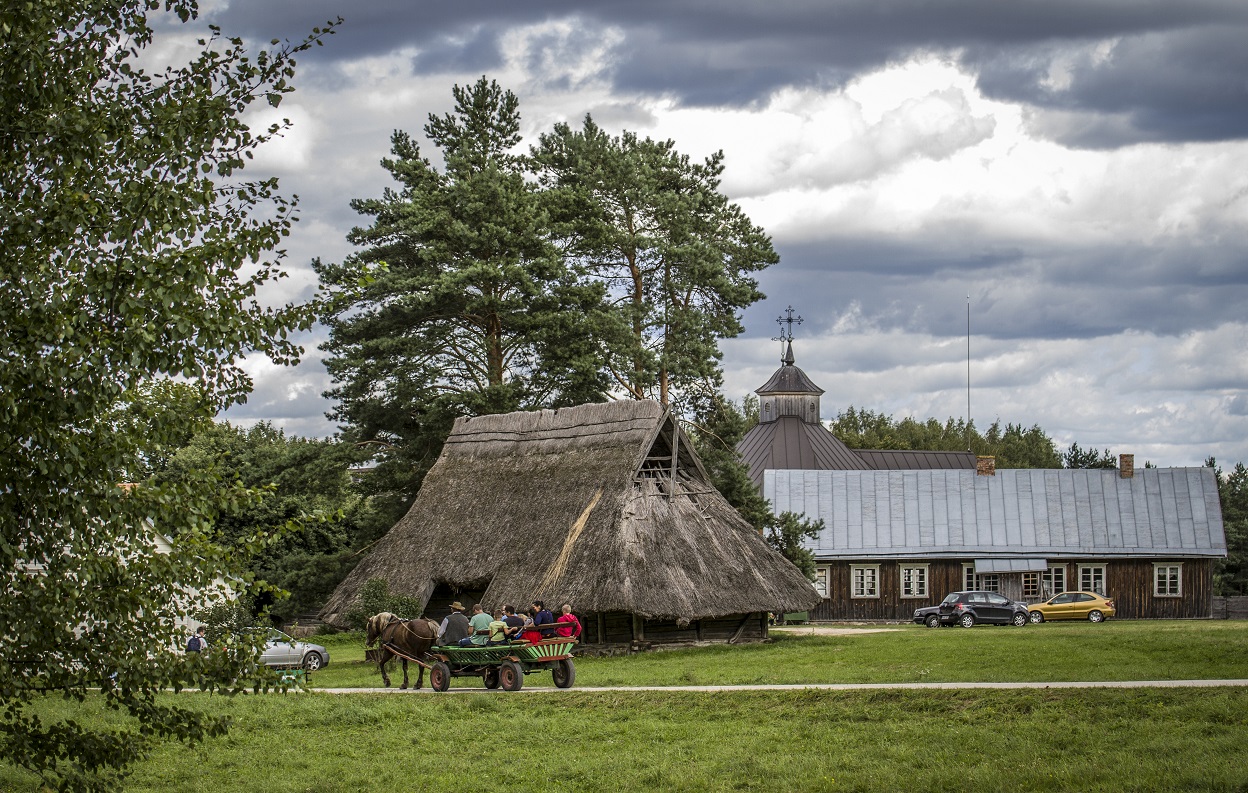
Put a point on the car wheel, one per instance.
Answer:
(967, 620)
(564, 673)
(491, 677)
(511, 676)
(1019, 620)
(1037, 617)
(932, 621)
(1095, 616)
(312, 661)
(440, 676)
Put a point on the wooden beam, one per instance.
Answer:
(740, 629)
(675, 453)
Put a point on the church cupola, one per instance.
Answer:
(790, 391)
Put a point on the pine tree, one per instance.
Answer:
(676, 255)
(461, 302)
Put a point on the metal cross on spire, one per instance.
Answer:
(786, 335)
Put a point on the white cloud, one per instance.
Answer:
(1170, 400)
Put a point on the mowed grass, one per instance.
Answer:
(1110, 740)
(1051, 652)
(978, 740)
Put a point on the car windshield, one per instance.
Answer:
(951, 599)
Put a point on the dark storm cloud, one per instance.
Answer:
(919, 286)
(1186, 85)
(1173, 71)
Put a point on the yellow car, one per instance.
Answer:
(1073, 606)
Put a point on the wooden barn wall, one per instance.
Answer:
(1129, 582)
(943, 577)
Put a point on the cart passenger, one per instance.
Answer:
(568, 626)
(498, 629)
(543, 617)
(479, 628)
(538, 617)
(455, 627)
(515, 623)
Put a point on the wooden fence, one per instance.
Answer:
(1230, 608)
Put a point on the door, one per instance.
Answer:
(999, 607)
(1061, 607)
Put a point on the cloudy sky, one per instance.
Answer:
(1076, 173)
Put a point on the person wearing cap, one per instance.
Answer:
(454, 627)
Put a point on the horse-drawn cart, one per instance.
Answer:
(503, 665)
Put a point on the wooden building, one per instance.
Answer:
(790, 436)
(894, 541)
(603, 506)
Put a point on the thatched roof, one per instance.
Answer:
(577, 505)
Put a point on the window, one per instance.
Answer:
(1031, 585)
(1054, 581)
(821, 581)
(864, 581)
(1092, 578)
(988, 582)
(914, 581)
(1167, 580)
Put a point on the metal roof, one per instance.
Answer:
(1171, 512)
(912, 460)
(789, 379)
(789, 442)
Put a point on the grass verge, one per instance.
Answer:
(1109, 740)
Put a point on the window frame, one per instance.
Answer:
(922, 592)
(981, 582)
(874, 571)
(1049, 579)
(1092, 567)
(823, 574)
(1177, 581)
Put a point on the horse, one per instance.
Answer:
(402, 638)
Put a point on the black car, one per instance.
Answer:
(970, 608)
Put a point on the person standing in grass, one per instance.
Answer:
(198, 643)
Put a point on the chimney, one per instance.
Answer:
(985, 465)
(1126, 466)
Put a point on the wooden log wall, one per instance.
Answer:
(1128, 581)
(1130, 584)
(943, 577)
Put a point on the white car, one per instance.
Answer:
(282, 651)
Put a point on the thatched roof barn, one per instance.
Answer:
(605, 506)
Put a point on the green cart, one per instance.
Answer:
(504, 665)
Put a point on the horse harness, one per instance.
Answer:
(386, 636)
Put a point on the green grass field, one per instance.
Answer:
(981, 740)
(1138, 650)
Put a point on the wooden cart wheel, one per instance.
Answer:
(511, 676)
(564, 673)
(440, 676)
(491, 677)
